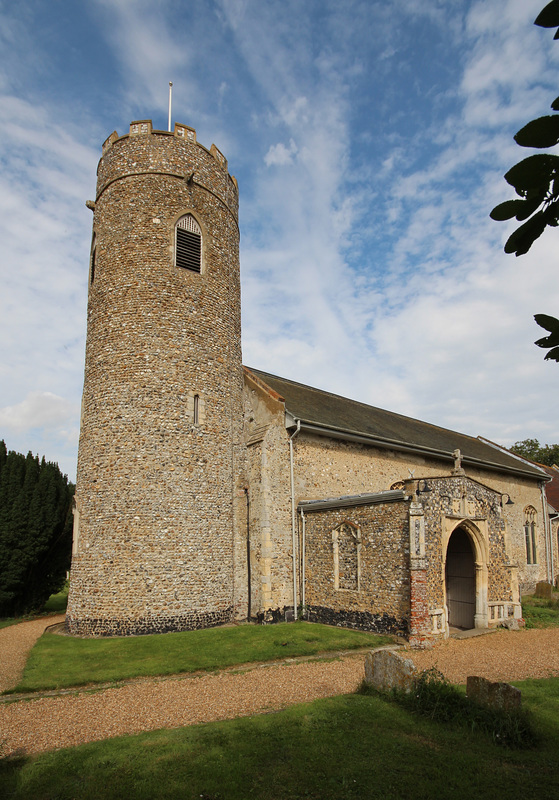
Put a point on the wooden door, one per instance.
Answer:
(460, 575)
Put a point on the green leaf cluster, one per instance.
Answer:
(547, 454)
(35, 531)
(550, 342)
(536, 178)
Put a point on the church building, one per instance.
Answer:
(208, 492)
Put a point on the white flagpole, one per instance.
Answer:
(170, 97)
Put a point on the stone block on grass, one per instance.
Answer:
(385, 670)
(496, 695)
(513, 624)
(544, 589)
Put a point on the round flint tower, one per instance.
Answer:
(159, 455)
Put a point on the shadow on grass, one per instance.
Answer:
(434, 697)
(353, 746)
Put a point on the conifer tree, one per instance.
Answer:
(35, 531)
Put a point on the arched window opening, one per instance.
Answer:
(188, 244)
(346, 542)
(196, 409)
(530, 519)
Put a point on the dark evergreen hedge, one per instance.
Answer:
(35, 531)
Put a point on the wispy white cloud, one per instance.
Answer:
(280, 155)
(461, 336)
(45, 424)
(48, 169)
(454, 310)
(148, 45)
(37, 410)
(295, 278)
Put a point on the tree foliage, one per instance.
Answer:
(536, 178)
(35, 531)
(547, 454)
(536, 182)
(552, 341)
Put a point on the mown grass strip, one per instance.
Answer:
(344, 747)
(58, 661)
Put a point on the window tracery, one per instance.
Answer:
(530, 519)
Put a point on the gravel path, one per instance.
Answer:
(15, 643)
(48, 722)
(64, 721)
(500, 656)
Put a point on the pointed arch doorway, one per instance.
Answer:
(460, 579)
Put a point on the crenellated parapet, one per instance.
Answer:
(178, 153)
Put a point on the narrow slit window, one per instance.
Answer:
(92, 262)
(196, 409)
(188, 244)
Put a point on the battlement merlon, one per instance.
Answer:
(144, 127)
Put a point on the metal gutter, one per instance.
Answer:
(303, 564)
(321, 429)
(509, 453)
(548, 535)
(293, 518)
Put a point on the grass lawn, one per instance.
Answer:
(60, 661)
(56, 604)
(539, 612)
(352, 746)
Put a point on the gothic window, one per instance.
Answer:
(530, 517)
(346, 542)
(188, 244)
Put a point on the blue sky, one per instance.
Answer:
(369, 139)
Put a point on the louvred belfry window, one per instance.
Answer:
(188, 244)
